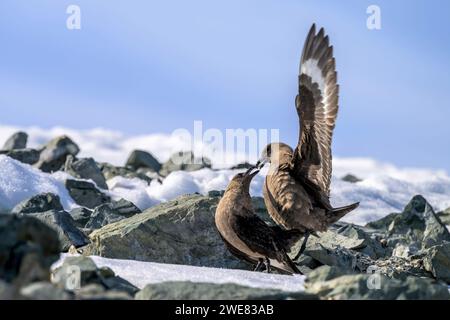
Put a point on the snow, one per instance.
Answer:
(141, 273)
(385, 188)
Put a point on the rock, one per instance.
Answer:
(418, 224)
(28, 248)
(85, 193)
(142, 159)
(111, 212)
(216, 193)
(444, 216)
(86, 169)
(209, 291)
(39, 203)
(44, 291)
(325, 273)
(80, 216)
(17, 141)
(28, 156)
(181, 231)
(185, 161)
(87, 274)
(437, 261)
(54, 154)
(110, 171)
(365, 286)
(351, 178)
(98, 292)
(63, 224)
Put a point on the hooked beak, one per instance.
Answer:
(261, 163)
(251, 172)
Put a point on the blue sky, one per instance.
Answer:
(155, 66)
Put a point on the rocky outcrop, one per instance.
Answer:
(181, 231)
(86, 169)
(54, 154)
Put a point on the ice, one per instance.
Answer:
(141, 273)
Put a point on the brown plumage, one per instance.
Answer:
(297, 187)
(246, 235)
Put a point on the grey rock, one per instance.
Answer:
(89, 274)
(325, 273)
(181, 231)
(80, 216)
(109, 171)
(28, 248)
(87, 169)
(63, 224)
(444, 216)
(86, 194)
(44, 291)
(28, 156)
(17, 141)
(39, 203)
(437, 261)
(111, 212)
(142, 159)
(98, 292)
(216, 193)
(244, 165)
(351, 178)
(364, 286)
(185, 161)
(54, 154)
(209, 291)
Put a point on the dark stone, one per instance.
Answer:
(110, 171)
(244, 165)
(142, 159)
(86, 169)
(63, 223)
(28, 248)
(86, 194)
(351, 178)
(80, 216)
(17, 141)
(54, 154)
(40, 203)
(28, 156)
(111, 212)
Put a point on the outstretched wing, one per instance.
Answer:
(317, 107)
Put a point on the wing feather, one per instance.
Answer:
(317, 108)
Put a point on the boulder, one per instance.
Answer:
(111, 212)
(142, 159)
(86, 169)
(39, 203)
(63, 224)
(181, 231)
(28, 248)
(54, 154)
(17, 141)
(28, 156)
(444, 216)
(81, 216)
(86, 194)
(110, 171)
(437, 261)
(185, 161)
(44, 291)
(184, 290)
(377, 287)
(86, 274)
